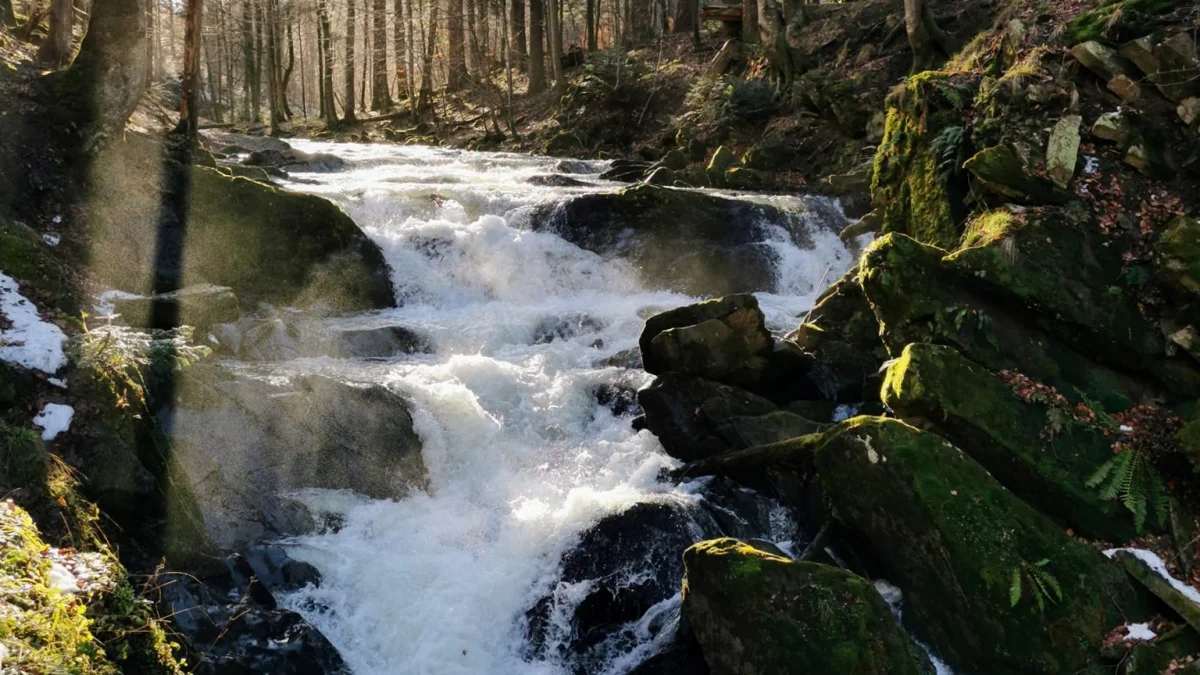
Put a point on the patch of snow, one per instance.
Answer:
(1140, 631)
(51, 239)
(845, 411)
(58, 382)
(61, 579)
(1091, 164)
(104, 302)
(54, 419)
(56, 219)
(1125, 428)
(29, 341)
(1156, 564)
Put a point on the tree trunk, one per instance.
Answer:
(56, 50)
(247, 57)
(409, 52)
(537, 41)
(923, 34)
(590, 21)
(287, 71)
(456, 64)
(771, 31)
(519, 55)
(328, 109)
(189, 105)
(556, 51)
(750, 21)
(100, 90)
(427, 59)
(348, 72)
(685, 17)
(256, 76)
(475, 67)
(398, 40)
(366, 54)
(7, 17)
(272, 66)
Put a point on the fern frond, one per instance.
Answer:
(1014, 590)
(1101, 473)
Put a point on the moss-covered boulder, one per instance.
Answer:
(266, 243)
(914, 186)
(918, 298)
(755, 613)
(1177, 255)
(1001, 170)
(842, 334)
(989, 582)
(1035, 449)
(724, 340)
(1156, 657)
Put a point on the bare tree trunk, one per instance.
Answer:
(366, 54)
(771, 30)
(519, 55)
(256, 77)
(537, 41)
(189, 105)
(7, 17)
(247, 58)
(454, 39)
(328, 109)
(750, 21)
(427, 59)
(398, 40)
(685, 17)
(923, 34)
(158, 50)
(475, 68)
(590, 21)
(272, 66)
(409, 54)
(287, 71)
(56, 50)
(556, 52)
(348, 103)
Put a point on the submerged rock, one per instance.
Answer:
(682, 240)
(972, 559)
(755, 613)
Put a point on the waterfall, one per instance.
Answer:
(522, 456)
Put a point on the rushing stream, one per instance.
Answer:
(522, 458)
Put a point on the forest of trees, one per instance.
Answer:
(274, 60)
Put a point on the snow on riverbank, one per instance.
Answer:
(25, 339)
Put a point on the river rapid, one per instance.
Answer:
(522, 456)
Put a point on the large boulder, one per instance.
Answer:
(1177, 255)
(695, 418)
(243, 444)
(265, 243)
(842, 335)
(687, 241)
(1035, 447)
(991, 584)
(755, 613)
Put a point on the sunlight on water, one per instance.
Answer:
(521, 457)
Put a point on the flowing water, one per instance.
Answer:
(522, 458)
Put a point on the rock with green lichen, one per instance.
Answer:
(842, 334)
(1101, 59)
(1115, 127)
(724, 340)
(1062, 150)
(1177, 254)
(755, 613)
(722, 160)
(1037, 451)
(1001, 170)
(991, 584)
(1188, 439)
(1116, 20)
(745, 178)
(914, 186)
(918, 297)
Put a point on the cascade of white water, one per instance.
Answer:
(521, 457)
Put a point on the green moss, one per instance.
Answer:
(23, 461)
(1002, 171)
(1178, 254)
(1041, 455)
(951, 536)
(912, 184)
(24, 257)
(754, 612)
(1116, 20)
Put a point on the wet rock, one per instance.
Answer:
(744, 178)
(682, 656)
(695, 418)
(278, 571)
(260, 339)
(619, 395)
(622, 567)
(755, 613)
(842, 334)
(627, 170)
(683, 240)
(234, 625)
(626, 358)
(1008, 436)
(295, 160)
(382, 342)
(1063, 149)
(565, 327)
(244, 444)
(660, 176)
(724, 340)
(200, 306)
(895, 485)
(556, 180)
(572, 166)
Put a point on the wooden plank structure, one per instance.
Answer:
(729, 15)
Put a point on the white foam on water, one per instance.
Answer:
(521, 457)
